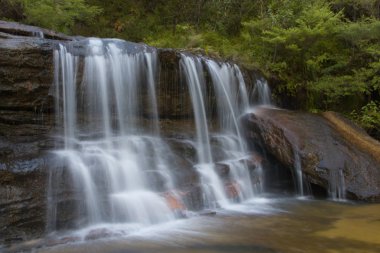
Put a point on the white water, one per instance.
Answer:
(229, 86)
(120, 168)
(337, 186)
(231, 102)
(212, 185)
(298, 173)
(38, 34)
(261, 92)
(107, 155)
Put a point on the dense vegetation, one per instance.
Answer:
(319, 54)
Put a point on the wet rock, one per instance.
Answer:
(99, 234)
(233, 190)
(324, 143)
(156, 179)
(252, 161)
(22, 204)
(173, 201)
(17, 29)
(207, 213)
(223, 170)
(192, 196)
(50, 242)
(26, 76)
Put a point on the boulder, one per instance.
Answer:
(332, 151)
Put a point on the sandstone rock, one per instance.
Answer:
(173, 201)
(325, 144)
(233, 190)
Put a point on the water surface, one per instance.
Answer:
(263, 225)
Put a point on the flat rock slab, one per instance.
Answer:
(325, 143)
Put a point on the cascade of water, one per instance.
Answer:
(213, 187)
(302, 186)
(337, 186)
(38, 34)
(261, 92)
(110, 169)
(120, 167)
(243, 93)
(298, 172)
(229, 86)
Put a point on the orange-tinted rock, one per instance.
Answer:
(173, 201)
(232, 190)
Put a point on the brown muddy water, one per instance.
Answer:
(264, 225)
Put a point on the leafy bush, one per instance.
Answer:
(369, 118)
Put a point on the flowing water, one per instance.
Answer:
(107, 154)
(263, 225)
(119, 167)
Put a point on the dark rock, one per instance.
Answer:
(26, 76)
(50, 242)
(156, 180)
(13, 28)
(99, 234)
(207, 213)
(326, 144)
(193, 197)
(223, 170)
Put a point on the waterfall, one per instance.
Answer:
(231, 101)
(38, 34)
(229, 86)
(261, 92)
(337, 186)
(212, 185)
(112, 157)
(298, 172)
(105, 150)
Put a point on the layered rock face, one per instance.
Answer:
(332, 150)
(28, 129)
(25, 123)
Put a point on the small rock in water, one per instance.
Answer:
(207, 213)
(99, 234)
(57, 241)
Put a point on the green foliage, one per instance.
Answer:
(59, 15)
(369, 118)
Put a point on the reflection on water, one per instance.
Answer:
(261, 225)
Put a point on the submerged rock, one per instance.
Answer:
(333, 152)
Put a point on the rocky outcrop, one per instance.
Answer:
(13, 29)
(328, 146)
(26, 75)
